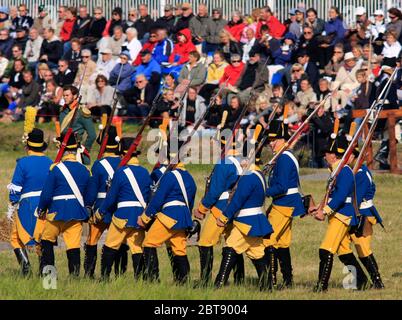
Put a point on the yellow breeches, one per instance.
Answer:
(71, 230)
(363, 244)
(337, 239)
(116, 236)
(19, 236)
(95, 232)
(252, 246)
(158, 234)
(281, 220)
(211, 232)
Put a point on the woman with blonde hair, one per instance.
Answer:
(228, 45)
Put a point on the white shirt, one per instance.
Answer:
(134, 47)
(391, 51)
(105, 67)
(246, 49)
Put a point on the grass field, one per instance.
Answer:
(307, 235)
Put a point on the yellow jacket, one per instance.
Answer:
(215, 72)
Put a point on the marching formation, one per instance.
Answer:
(141, 211)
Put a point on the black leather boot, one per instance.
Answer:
(272, 263)
(90, 260)
(229, 256)
(74, 262)
(121, 260)
(238, 270)
(206, 264)
(262, 271)
(182, 268)
(171, 256)
(107, 259)
(47, 257)
(285, 263)
(372, 268)
(23, 261)
(326, 262)
(151, 264)
(138, 265)
(350, 260)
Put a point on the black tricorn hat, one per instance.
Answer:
(35, 141)
(113, 139)
(125, 144)
(278, 130)
(337, 145)
(72, 143)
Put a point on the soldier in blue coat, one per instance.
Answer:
(250, 227)
(24, 192)
(102, 174)
(62, 205)
(171, 208)
(127, 199)
(286, 204)
(341, 216)
(224, 176)
(365, 192)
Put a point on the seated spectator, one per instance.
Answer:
(106, 63)
(73, 55)
(214, 27)
(5, 22)
(68, 26)
(149, 68)
(284, 54)
(183, 22)
(232, 73)
(144, 22)
(32, 48)
(304, 97)
(101, 101)
(15, 76)
(308, 42)
(324, 90)
(236, 25)
(43, 20)
(296, 27)
(3, 64)
(167, 20)
(51, 50)
(65, 76)
(114, 43)
(228, 45)
(392, 48)
(312, 21)
(395, 24)
(234, 108)
(50, 102)
(215, 72)
(132, 17)
(23, 20)
(149, 45)
(133, 45)
(378, 29)
(358, 53)
(42, 68)
(293, 79)
(6, 43)
(21, 38)
(214, 116)
(165, 107)
(117, 20)
(333, 66)
(193, 108)
(266, 44)
(17, 54)
(163, 48)
(275, 28)
(127, 71)
(82, 24)
(29, 91)
(248, 44)
(194, 70)
(198, 26)
(83, 78)
(249, 24)
(169, 83)
(95, 30)
(309, 67)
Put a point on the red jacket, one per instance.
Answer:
(276, 29)
(147, 45)
(236, 30)
(233, 73)
(67, 29)
(182, 50)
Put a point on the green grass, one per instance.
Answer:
(307, 235)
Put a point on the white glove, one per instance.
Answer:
(10, 211)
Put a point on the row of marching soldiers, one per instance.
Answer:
(47, 203)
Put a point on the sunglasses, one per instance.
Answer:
(86, 57)
(298, 70)
(184, 9)
(152, 36)
(392, 17)
(62, 66)
(132, 15)
(307, 32)
(235, 61)
(338, 52)
(139, 81)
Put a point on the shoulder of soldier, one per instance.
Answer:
(53, 166)
(85, 112)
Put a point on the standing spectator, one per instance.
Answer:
(44, 20)
(163, 48)
(314, 22)
(377, 29)
(194, 70)
(32, 49)
(6, 43)
(321, 128)
(198, 26)
(133, 45)
(106, 63)
(29, 91)
(65, 76)
(167, 21)
(214, 27)
(73, 55)
(131, 19)
(68, 25)
(144, 22)
(296, 27)
(101, 100)
(115, 43)
(236, 25)
(84, 79)
(395, 16)
(193, 108)
(184, 21)
(51, 50)
(117, 20)
(276, 29)
(228, 45)
(3, 64)
(126, 73)
(95, 30)
(215, 72)
(23, 20)
(62, 13)
(249, 44)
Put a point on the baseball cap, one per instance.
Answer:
(302, 10)
(186, 5)
(292, 12)
(360, 11)
(349, 56)
(127, 54)
(168, 7)
(106, 51)
(379, 12)
(145, 52)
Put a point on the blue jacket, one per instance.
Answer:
(365, 191)
(125, 78)
(147, 69)
(224, 177)
(284, 179)
(122, 191)
(97, 186)
(250, 194)
(341, 197)
(336, 27)
(169, 190)
(162, 51)
(28, 180)
(68, 207)
(157, 174)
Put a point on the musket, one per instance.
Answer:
(70, 124)
(334, 174)
(110, 118)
